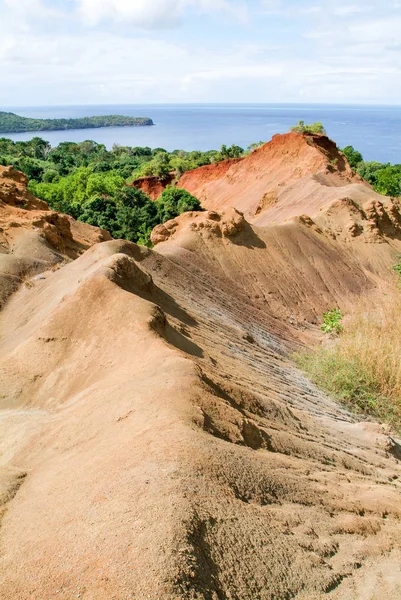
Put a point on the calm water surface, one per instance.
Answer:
(374, 130)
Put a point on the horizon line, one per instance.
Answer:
(220, 103)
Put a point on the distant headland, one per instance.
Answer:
(12, 123)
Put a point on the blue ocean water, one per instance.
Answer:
(373, 130)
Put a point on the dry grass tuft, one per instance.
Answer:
(362, 367)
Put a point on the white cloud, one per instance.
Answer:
(346, 10)
(153, 13)
(79, 51)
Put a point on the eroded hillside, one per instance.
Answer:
(158, 442)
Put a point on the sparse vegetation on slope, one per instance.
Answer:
(362, 367)
(332, 321)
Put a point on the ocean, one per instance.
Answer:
(373, 130)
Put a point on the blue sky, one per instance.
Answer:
(56, 52)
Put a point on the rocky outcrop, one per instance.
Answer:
(34, 238)
(226, 223)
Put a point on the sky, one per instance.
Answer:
(60, 52)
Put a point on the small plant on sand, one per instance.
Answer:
(332, 321)
(397, 269)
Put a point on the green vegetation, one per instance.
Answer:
(362, 366)
(384, 178)
(300, 127)
(348, 379)
(89, 182)
(173, 201)
(353, 156)
(397, 269)
(12, 123)
(104, 200)
(332, 321)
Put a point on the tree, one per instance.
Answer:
(232, 152)
(101, 212)
(388, 181)
(254, 146)
(353, 156)
(30, 167)
(135, 213)
(316, 127)
(368, 170)
(39, 148)
(175, 201)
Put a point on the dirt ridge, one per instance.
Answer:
(171, 448)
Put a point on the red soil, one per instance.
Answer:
(152, 186)
(256, 183)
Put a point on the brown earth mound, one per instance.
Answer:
(157, 442)
(33, 237)
(280, 179)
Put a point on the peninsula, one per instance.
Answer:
(12, 123)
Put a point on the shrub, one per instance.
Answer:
(397, 269)
(332, 321)
(50, 176)
(316, 127)
(175, 201)
(388, 181)
(354, 157)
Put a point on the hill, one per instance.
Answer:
(12, 123)
(157, 439)
(298, 172)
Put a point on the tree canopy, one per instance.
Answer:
(385, 178)
(301, 127)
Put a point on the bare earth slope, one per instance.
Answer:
(32, 237)
(156, 440)
(290, 175)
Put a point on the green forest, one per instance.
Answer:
(384, 177)
(92, 183)
(12, 123)
(89, 182)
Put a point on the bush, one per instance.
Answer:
(397, 269)
(332, 321)
(354, 157)
(388, 181)
(300, 127)
(50, 176)
(175, 201)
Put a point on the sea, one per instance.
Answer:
(373, 130)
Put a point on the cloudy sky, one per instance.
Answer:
(56, 52)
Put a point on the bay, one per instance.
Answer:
(373, 130)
